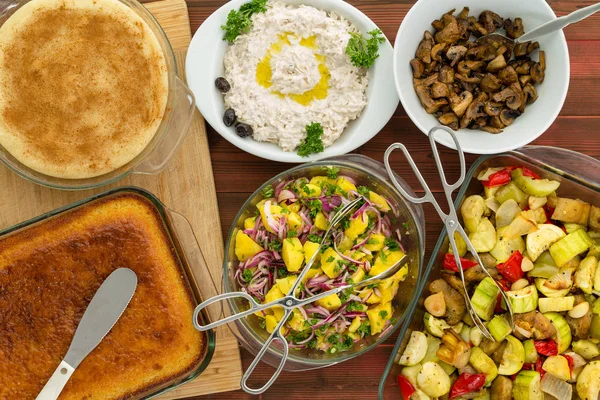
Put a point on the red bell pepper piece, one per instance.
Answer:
(406, 388)
(546, 347)
(529, 173)
(498, 178)
(538, 367)
(467, 383)
(511, 268)
(450, 263)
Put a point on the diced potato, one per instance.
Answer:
(331, 302)
(354, 325)
(344, 185)
(321, 181)
(275, 209)
(346, 244)
(371, 297)
(271, 323)
(505, 247)
(294, 221)
(375, 242)
(297, 321)
(538, 215)
(292, 253)
(541, 240)
(520, 226)
(321, 222)
(310, 190)
(571, 210)
(310, 248)
(484, 237)
(274, 294)
(293, 207)
(472, 210)
(357, 226)
(249, 223)
(330, 263)
(378, 315)
(385, 260)
(461, 246)
(358, 276)
(506, 213)
(245, 247)
(594, 219)
(285, 284)
(379, 202)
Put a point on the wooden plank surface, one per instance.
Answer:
(186, 186)
(238, 174)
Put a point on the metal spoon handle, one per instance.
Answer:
(559, 23)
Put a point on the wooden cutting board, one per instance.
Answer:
(186, 186)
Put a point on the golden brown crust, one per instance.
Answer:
(50, 272)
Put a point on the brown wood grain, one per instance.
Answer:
(238, 174)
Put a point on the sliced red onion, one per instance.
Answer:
(276, 255)
(367, 266)
(356, 246)
(312, 335)
(286, 195)
(318, 280)
(280, 187)
(282, 228)
(387, 329)
(354, 314)
(351, 180)
(392, 206)
(365, 250)
(304, 315)
(398, 235)
(360, 211)
(269, 216)
(307, 223)
(376, 292)
(350, 259)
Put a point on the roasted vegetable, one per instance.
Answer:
(454, 350)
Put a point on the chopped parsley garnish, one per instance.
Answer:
(275, 245)
(362, 51)
(383, 256)
(315, 206)
(372, 241)
(332, 172)
(314, 238)
(247, 275)
(364, 329)
(405, 225)
(330, 259)
(352, 268)
(313, 142)
(307, 190)
(383, 314)
(339, 343)
(296, 337)
(292, 233)
(345, 223)
(240, 21)
(263, 324)
(282, 272)
(267, 192)
(363, 190)
(354, 306)
(391, 244)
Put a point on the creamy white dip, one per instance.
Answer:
(292, 70)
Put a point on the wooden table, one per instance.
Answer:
(238, 174)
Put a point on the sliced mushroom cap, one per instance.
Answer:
(437, 25)
(460, 103)
(450, 120)
(463, 68)
(476, 28)
(436, 51)
(542, 60)
(507, 116)
(523, 49)
(464, 13)
(446, 74)
(530, 93)
(514, 29)
(482, 52)
(524, 79)
(424, 50)
(439, 89)
(491, 129)
(431, 105)
(537, 73)
(492, 109)
(455, 53)
(490, 83)
(417, 67)
(524, 68)
(475, 65)
(508, 75)
(450, 34)
(496, 64)
(490, 21)
(474, 110)
(473, 79)
(496, 122)
(512, 95)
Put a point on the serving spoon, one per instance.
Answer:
(544, 29)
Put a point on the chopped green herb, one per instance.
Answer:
(314, 238)
(240, 21)
(282, 272)
(362, 51)
(256, 212)
(383, 256)
(263, 324)
(267, 192)
(391, 244)
(370, 225)
(345, 223)
(312, 344)
(363, 190)
(247, 275)
(405, 225)
(330, 259)
(393, 220)
(292, 233)
(354, 306)
(315, 207)
(332, 172)
(364, 329)
(313, 142)
(383, 314)
(372, 241)
(307, 190)
(275, 245)
(352, 268)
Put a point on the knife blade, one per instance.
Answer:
(102, 313)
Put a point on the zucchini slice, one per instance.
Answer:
(533, 187)
(562, 337)
(521, 225)
(483, 364)
(484, 298)
(415, 349)
(411, 373)
(505, 247)
(588, 384)
(556, 304)
(531, 354)
(585, 274)
(541, 240)
(570, 246)
(513, 357)
(543, 271)
(511, 191)
(557, 366)
(499, 328)
(434, 325)
(433, 380)
(527, 386)
(484, 238)
(472, 210)
(586, 349)
(523, 300)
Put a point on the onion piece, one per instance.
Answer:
(280, 187)
(556, 387)
(286, 195)
(269, 216)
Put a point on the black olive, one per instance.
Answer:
(243, 130)
(229, 117)
(222, 84)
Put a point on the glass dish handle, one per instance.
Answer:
(195, 259)
(565, 162)
(183, 111)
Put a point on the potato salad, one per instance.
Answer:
(288, 229)
(542, 249)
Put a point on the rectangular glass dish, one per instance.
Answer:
(80, 233)
(580, 178)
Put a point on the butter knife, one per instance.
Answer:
(102, 313)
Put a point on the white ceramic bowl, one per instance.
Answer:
(537, 116)
(204, 64)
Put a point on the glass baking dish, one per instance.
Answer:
(580, 178)
(189, 254)
(158, 153)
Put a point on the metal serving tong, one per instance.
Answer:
(450, 219)
(288, 303)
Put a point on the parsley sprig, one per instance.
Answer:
(240, 21)
(362, 51)
(313, 142)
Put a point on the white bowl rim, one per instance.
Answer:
(380, 108)
(465, 146)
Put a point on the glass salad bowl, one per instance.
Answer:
(579, 177)
(410, 221)
(158, 153)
